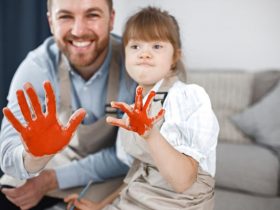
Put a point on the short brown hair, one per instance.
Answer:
(109, 2)
(151, 24)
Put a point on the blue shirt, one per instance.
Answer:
(40, 65)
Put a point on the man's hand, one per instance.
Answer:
(138, 119)
(43, 134)
(30, 194)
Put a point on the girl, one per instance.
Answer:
(172, 159)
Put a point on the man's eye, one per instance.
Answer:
(63, 17)
(157, 46)
(93, 15)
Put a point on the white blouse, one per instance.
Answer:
(190, 125)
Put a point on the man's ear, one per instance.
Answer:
(50, 22)
(112, 19)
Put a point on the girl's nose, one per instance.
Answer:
(145, 54)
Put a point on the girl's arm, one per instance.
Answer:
(84, 204)
(178, 169)
(112, 197)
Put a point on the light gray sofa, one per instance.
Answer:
(247, 176)
(247, 105)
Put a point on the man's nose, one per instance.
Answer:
(79, 27)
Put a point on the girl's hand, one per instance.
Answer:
(81, 204)
(43, 134)
(138, 119)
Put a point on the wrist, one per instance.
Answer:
(49, 179)
(150, 134)
(34, 164)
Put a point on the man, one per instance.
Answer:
(84, 64)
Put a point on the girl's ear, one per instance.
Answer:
(176, 57)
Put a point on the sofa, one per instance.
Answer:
(248, 150)
(247, 174)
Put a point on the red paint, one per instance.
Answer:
(43, 134)
(139, 121)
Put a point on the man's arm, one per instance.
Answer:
(30, 194)
(98, 167)
(35, 68)
(11, 147)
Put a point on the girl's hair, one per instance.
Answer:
(151, 24)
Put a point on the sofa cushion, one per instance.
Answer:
(262, 120)
(230, 93)
(247, 167)
(264, 82)
(232, 200)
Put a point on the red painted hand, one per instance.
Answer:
(138, 119)
(42, 134)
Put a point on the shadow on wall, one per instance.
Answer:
(23, 26)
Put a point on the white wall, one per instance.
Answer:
(223, 34)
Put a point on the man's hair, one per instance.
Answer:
(109, 2)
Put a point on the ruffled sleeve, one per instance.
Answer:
(190, 124)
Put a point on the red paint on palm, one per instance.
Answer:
(138, 119)
(43, 134)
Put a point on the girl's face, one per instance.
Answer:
(148, 62)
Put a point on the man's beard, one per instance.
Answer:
(80, 59)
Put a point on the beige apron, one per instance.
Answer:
(147, 189)
(88, 138)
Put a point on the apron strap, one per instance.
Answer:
(64, 83)
(162, 92)
(114, 78)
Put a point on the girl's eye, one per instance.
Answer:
(135, 47)
(157, 46)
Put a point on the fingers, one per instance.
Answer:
(75, 121)
(70, 200)
(122, 106)
(50, 99)
(117, 122)
(12, 195)
(24, 106)
(34, 99)
(13, 120)
(149, 100)
(71, 197)
(12, 200)
(83, 204)
(139, 98)
(70, 205)
(158, 116)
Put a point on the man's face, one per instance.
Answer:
(81, 29)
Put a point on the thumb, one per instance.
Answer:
(75, 121)
(158, 117)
